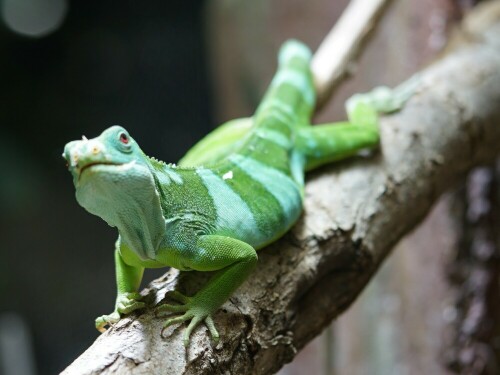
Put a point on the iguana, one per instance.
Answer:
(236, 191)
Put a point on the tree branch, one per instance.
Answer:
(354, 213)
(334, 58)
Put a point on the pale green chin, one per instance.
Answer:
(101, 188)
(125, 197)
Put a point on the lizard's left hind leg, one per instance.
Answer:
(323, 144)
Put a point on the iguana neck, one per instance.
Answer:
(132, 206)
(142, 226)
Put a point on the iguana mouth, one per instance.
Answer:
(85, 167)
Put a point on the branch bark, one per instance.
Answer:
(355, 212)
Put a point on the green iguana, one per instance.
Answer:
(237, 190)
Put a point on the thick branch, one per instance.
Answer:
(354, 213)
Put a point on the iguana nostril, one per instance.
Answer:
(95, 150)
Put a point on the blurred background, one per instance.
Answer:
(169, 71)
(70, 68)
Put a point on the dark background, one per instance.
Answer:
(138, 64)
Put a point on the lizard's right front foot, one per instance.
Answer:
(106, 320)
(126, 303)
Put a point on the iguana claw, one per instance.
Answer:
(125, 304)
(105, 320)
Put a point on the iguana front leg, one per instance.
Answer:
(233, 259)
(128, 279)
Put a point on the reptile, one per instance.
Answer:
(237, 190)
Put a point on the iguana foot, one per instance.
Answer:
(194, 311)
(385, 99)
(106, 320)
(125, 304)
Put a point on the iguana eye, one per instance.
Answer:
(124, 138)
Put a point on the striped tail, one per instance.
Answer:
(291, 92)
(287, 104)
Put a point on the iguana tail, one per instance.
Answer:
(270, 135)
(287, 106)
(290, 96)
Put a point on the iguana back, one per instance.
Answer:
(254, 192)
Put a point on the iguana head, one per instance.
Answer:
(109, 171)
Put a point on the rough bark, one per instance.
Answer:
(355, 212)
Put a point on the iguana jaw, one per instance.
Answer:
(106, 188)
(93, 169)
(95, 164)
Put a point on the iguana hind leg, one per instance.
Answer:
(326, 143)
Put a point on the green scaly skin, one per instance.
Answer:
(239, 189)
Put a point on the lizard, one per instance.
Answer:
(237, 190)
